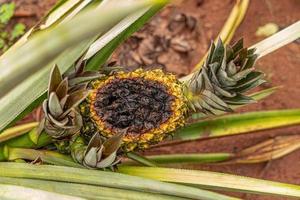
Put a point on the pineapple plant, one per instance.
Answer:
(94, 118)
(144, 107)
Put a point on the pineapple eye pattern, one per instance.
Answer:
(145, 106)
(135, 105)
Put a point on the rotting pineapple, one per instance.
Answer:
(145, 105)
(141, 108)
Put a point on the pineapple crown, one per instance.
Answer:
(224, 78)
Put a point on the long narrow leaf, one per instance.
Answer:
(45, 156)
(12, 192)
(17, 131)
(85, 190)
(278, 40)
(26, 96)
(189, 158)
(268, 150)
(49, 44)
(264, 151)
(105, 179)
(119, 33)
(239, 123)
(57, 13)
(141, 159)
(32, 91)
(61, 10)
(274, 42)
(26, 141)
(233, 21)
(214, 180)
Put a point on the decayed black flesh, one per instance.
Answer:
(135, 104)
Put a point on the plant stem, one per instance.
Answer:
(24, 136)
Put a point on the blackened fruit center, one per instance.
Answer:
(135, 105)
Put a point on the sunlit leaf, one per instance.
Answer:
(188, 158)
(18, 30)
(104, 179)
(274, 42)
(17, 131)
(34, 87)
(86, 191)
(215, 180)
(12, 192)
(239, 123)
(116, 36)
(6, 12)
(59, 39)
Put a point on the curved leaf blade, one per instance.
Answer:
(120, 32)
(31, 92)
(59, 39)
(188, 158)
(239, 123)
(105, 179)
(215, 180)
(12, 192)
(85, 190)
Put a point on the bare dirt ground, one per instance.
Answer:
(179, 36)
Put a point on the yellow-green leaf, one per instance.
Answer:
(214, 180)
(105, 179)
(12, 192)
(239, 123)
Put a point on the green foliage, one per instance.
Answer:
(214, 180)
(97, 178)
(32, 90)
(7, 38)
(18, 30)
(6, 12)
(239, 123)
